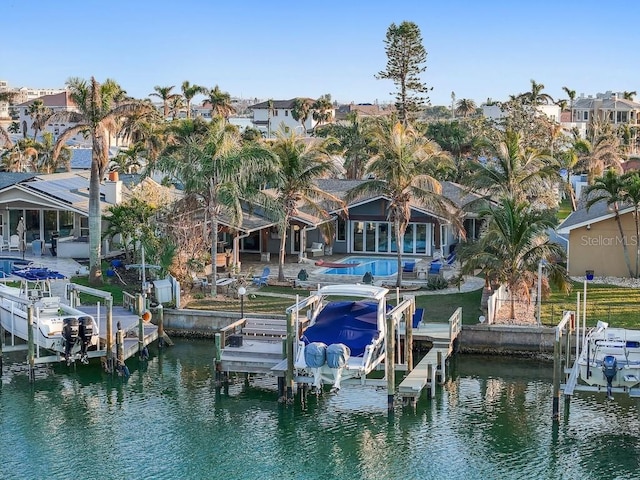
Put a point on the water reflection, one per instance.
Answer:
(491, 419)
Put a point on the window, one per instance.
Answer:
(341, 230)
(286, 113)
(84, 226)
(275, 113)
(585, 116)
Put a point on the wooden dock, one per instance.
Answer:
(433, 364)
(256, 345)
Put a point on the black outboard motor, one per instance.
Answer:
(69, 336)
(85, 332)
(610, 370)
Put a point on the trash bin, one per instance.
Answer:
(36, 247)
(54, 243)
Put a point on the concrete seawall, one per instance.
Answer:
(201, 323)
(506, 339)
(488, 339)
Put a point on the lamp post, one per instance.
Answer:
(242, 292)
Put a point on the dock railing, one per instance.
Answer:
(455, 323)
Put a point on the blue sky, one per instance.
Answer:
(283, 49)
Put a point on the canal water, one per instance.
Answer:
(491, 420)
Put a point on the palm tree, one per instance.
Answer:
(165, 94)
(220, 102)
(128, 160)
(631, 195)
(402, 171)
(535, 96)
(512, 246)
(572, 96)
(301, 111)
(322, 110)
(39, 113)
(214, 167)
(629, 95)
(511, 170)
(609, 188)
(602, 152)
(98, 112)
(270, 110)
(46, 163)
(176, 104)
(188, 92)
(299, 164)
(466, 107)
(5, 138)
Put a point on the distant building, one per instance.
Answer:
(279, 117)
(364, 110)
(608, 106)
(23, 94)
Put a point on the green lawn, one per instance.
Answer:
(438, 308)
(115, 290)
(564, 209)
(616, 305)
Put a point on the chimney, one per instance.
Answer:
(113, 189)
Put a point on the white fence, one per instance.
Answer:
(495, 302)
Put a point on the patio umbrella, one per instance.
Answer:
(20, 230)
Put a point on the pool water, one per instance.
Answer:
(7, 265)
(378, 266)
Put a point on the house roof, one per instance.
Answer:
(279, 104)
(62, 99)
(582, 217)
(11, 178)
(611, 103)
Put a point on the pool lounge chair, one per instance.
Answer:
(316, 249)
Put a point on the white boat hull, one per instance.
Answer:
(48, 321)
(611, 357)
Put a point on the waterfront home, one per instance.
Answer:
(595, 243)
(56, 206)
(274, 115)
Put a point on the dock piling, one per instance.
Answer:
(390, 363)
(291, 337)
(31, 350)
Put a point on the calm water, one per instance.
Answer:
(380, 267)
(491, 420)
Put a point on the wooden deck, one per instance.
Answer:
(432, 366)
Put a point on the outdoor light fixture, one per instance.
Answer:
(241, 293)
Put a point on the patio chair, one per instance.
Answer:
(409, 269)
(434, 268)
(450, 260)
(14, 243)
(262, 279)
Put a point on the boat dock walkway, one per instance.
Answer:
(432, 366)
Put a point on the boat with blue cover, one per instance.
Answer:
(344, 338)
(57, 326)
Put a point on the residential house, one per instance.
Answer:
(364, 110)
(608, 106)
(59, 102)
(595, 243)
(55, 204)
(365, 230)
(22, 94)
(277, 116)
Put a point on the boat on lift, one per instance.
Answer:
(610, 357)
(57, 326)
(344, 339)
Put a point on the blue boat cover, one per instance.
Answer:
(354, 324)
(34, 274)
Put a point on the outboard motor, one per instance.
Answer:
(85, 332)
(337, 356)
(610, 370)
(315, 356)
(70, 330)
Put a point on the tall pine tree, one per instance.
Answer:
(405, 62)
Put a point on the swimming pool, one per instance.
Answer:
(378, 266)
(7, 265)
